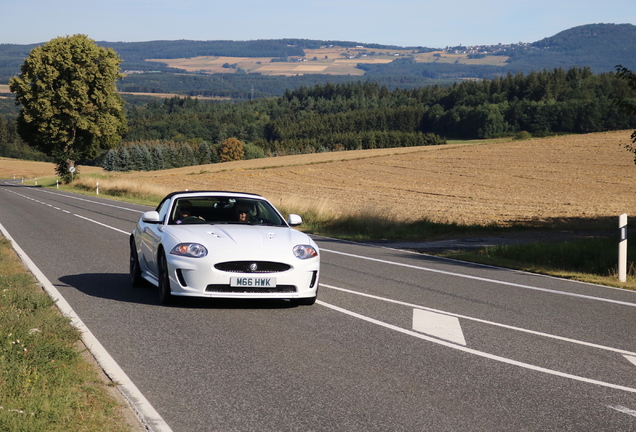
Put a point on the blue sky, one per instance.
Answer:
(434, 24)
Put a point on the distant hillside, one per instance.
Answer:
(599, 46)
(300, 62)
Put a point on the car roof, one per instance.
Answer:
(213, 193)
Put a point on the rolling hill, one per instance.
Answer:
(265, 68)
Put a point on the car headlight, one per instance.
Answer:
(305, 251)
(193, 250)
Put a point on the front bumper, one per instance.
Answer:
(192, 277)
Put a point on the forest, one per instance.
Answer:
(362, 115)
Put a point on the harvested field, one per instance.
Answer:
(332, 60)
(30, 170)
(579, 176)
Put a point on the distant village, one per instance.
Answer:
(499, 49)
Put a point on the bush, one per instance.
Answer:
(253, 151)
(523, 135)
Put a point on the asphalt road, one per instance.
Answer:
(397, 341)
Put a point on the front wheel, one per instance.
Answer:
(135, 270)
(165, 296)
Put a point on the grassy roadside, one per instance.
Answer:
(46, 384)
(593, 260)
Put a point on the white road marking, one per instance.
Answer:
(479, 320)
(623, 409)
(102, 224)
(91, 201)
(77, 215)
(493, 281)
(631, 358)
(475, 352)
(151, 419)
(438, 325)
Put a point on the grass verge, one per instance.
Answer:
(587, 260)
(362, 227)
(46, 385)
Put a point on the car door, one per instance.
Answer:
(151, 236)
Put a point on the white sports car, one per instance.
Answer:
(223, 245)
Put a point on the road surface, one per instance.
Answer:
(397, 340)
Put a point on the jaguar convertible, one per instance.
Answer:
(223, 245)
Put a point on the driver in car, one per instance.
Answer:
(184, 210)
(242, 213)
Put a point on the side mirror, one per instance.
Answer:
(294, 220)
(150, 217)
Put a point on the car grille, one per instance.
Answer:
(228, 289)
(246, 267)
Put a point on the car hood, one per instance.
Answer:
(237, 235)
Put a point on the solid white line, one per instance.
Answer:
(493, 281)
(104, 225)
(475, 352)
(479, 320)
(145, 411)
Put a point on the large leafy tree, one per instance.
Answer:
(629, 106)
(70, 107)
(231, 150)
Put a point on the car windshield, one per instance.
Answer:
(224, 210)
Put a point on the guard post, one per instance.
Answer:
(622, 248)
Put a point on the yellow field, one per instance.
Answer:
(579, 176)
(30, 170)
(4, 88)
(460, 58)
(328, 60)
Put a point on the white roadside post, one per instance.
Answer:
(622, 248)
(96, 188)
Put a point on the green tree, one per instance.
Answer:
(204, 154)
(629, 106)
(110, 160)
(70, 107)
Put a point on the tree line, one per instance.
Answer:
(157, 155)
(364, 114)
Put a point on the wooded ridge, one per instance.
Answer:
(597, 46)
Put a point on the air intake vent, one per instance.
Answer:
(252, 267)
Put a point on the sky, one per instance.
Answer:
(433, 24)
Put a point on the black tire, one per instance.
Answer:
(135, 270)
(165, 297)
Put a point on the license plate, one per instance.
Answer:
(253, 282)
